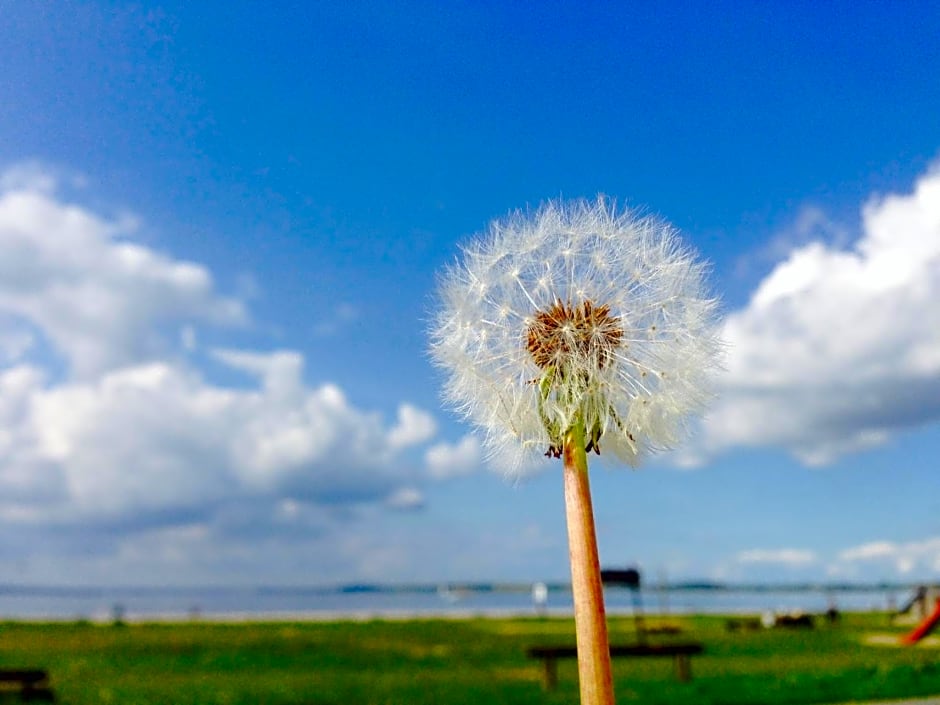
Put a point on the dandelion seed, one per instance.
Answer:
(592, 313)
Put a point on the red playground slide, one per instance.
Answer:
(924, 628)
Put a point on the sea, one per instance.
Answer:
(111, 604)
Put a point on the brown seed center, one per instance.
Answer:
(567, 336)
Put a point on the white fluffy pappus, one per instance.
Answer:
(578, 312)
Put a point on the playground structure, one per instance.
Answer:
(923, 609)
(924, 628)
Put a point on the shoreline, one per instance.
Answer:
(259, 606)
(103, 618)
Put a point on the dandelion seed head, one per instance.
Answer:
(578, 311)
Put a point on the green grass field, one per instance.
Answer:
(456, 662)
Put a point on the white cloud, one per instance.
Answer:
(134, 441)
(871, 561)
(793, 557)
(868, 551)
(95, 295)
(905, 558)
(414, 426)
(445, 460)
(278, 371)
(156, 439)
(839, 348)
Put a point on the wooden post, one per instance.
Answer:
(590, 621)
(683, 668)
(551, 673)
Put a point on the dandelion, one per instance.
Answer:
(581, 328)
(580, 313)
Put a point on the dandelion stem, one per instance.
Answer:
(590, 621)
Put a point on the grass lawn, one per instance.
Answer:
(457, 662)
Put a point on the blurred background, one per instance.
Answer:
(220, 225)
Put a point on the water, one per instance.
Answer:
(106, 604)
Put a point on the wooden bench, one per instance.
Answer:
(29, 683)
(681, 654)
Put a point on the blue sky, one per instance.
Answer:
(219, 231)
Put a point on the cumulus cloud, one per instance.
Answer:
(839, 348)
(445, 460)
(153, 442)
(133, 440)
(97, 296)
